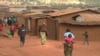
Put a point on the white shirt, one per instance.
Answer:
(67, 33)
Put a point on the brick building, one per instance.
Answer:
(78, 20)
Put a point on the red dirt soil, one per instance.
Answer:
(33, 47)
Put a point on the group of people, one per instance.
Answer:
(11, 23)
(68, 35)
(69, 40)
(42, 32)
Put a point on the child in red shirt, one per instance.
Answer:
(16, 25)
(12, 29)
(69, 39)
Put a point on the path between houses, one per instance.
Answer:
(33, 47)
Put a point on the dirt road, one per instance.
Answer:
(33, 47)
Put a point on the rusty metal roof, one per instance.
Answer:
(3, 14)
(90, 19)
(66, 11)
(80, 23)
(69, 11)
(31, 14)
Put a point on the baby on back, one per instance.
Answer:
(69, 39)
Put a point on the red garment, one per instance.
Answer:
(69, 40)
(12, 27)
(16, 25)
(1, 26)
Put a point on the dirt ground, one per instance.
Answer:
(11, 47)
(33, 47)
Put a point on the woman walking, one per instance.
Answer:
(43, 33)
(68, 45)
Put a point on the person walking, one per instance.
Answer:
(43, 33)
(5, 21)
(1, 28)
(9, 21)
(68, 47)
(22, 34)
(69, 32)
(86, 38)
(12, 29)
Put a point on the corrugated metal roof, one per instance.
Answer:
(66, 11)
(80, 23)
(31, 14)
(91, 17)
(3, 14)
(69, 11)
(40, 16)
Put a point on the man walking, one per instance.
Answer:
(22, 34)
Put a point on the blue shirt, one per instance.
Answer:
(22, 31)
(67, 33)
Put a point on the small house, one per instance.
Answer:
(77, 20)
(33, 23)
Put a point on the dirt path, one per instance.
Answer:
(33, 47)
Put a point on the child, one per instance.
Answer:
(16, 25)
(69, 39)
(12, 29)
(86, 38)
